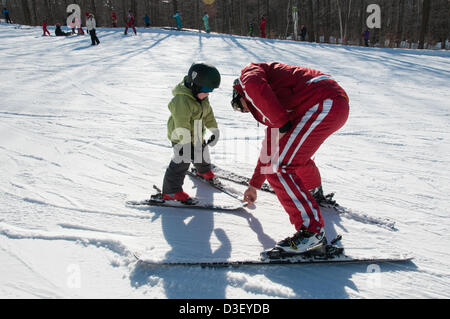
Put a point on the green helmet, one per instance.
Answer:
(202, 75)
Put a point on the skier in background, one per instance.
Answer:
(206, 22)
(147, 20)
(191, 115)
(301, 108)
(90, 26)
(114, 19)
(262, 26)
(178, 19)
(44, 28)
(250, 30)
(366, 36)
(303, 31)
(6, 14)
(130, 22)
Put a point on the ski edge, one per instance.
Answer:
(144, 203)
(238, 263)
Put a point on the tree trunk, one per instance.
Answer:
(288, 19)
(425, 19)
(311, 32)
(341, 28)
(26, 12)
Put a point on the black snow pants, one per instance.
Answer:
(94, 38)
(184, 155)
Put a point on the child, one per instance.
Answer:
(191, 114)
(206, 22)
(44, 28)
(178, 19)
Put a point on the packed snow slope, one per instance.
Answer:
(83, 130)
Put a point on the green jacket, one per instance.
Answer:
(187, 113)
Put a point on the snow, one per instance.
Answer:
(83, 129)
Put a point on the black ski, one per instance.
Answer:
(328, 202)
(327, 254)
(299, 260)
(194, 203)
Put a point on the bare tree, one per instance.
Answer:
(425, 18)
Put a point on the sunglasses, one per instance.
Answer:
(205, 89)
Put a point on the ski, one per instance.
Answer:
(216, 183)
(157, 200)
(238, 179)
(327, 202)
(298, 260)
(327, 254)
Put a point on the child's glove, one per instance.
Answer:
(212, 141)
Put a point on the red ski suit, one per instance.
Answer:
(316, 106)
(262, 27)
(44, 28)
(130, 23)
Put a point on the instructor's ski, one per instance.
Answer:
(299, 260)
(328, 201)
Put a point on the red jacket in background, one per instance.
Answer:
(130, 20)
(262, 27)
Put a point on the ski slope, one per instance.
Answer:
(83, 129)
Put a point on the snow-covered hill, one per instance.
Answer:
(83, 129)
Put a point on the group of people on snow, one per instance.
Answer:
(130, 23)
(300, 108)
(90, 27)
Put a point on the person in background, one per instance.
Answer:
(114, 19)
(44, 28)
(366, 36)
(130, 22)
(147, 20)
(178, 20)
(206, 22)
(303, 31)
(59, 32)
(6, 15)
(250, 30)
(262, 26)
(301, 108)
(90, 26)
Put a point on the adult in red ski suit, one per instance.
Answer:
(301, 108)
(130, 22)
